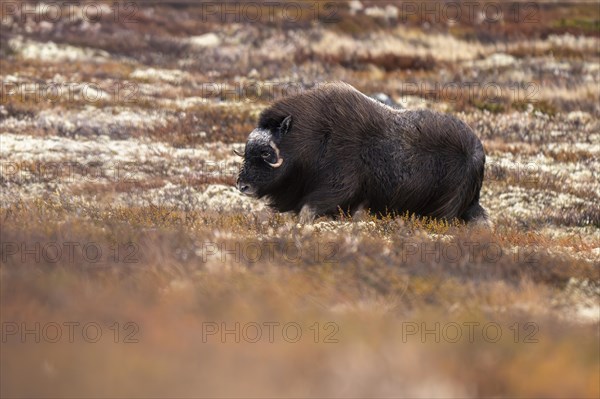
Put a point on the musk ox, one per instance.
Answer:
(333, 148)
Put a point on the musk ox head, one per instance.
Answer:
(263, 160)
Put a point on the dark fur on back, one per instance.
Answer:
(346, 150)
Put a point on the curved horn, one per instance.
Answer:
(279, 159)
(239, 154)
(277, 164)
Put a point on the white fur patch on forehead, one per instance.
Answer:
(260, 136)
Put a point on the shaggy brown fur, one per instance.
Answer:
(342, 149)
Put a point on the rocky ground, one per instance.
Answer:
(117, 134)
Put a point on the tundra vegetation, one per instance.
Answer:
(118, 205)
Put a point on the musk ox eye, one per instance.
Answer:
(265, 154)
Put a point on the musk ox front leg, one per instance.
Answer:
(361, 212)
(331, 195)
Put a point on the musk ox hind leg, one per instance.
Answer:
(476, 215)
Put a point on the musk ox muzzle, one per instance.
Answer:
(333, 148)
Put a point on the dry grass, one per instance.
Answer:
(375, 284)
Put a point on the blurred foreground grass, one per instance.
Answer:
(256, 306)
